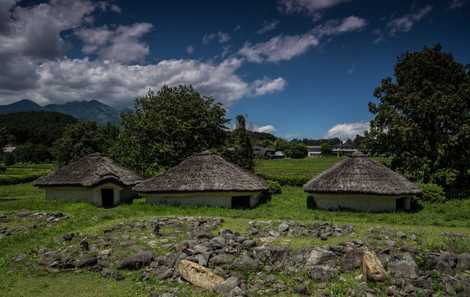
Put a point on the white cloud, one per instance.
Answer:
(348, 130)
(286, 47)
(268, 26)
(266, 86)
(34, 42)
(307, 6)
(278, 48)
(121, 44)
(264, 129)
(334, 27)
(221, 37)
(407, 21)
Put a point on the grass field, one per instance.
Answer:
(308, 167)
(21, 173)
(27, 280)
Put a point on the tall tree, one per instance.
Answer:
(240, 150)
(422, 117)
(81, 139)
(168, 126)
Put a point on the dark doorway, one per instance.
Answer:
(107, 197)
(401, 204)
(241, 202)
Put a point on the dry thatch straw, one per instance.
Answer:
(89, 171)
(203, 172)
(361, 175)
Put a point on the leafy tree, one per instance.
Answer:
(296, 150)
(325, 148)
(168, 126)
(81, 139)
(240, 150)
(422, 117)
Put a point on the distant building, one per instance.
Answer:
(262, 152)
(313, 150)
(278, 155)
(344, 149)
(9, 148)
(95, 179)
(205, 179)
(358, 183)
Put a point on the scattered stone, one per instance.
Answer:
(245, 263)
(87, 261)
(372, 268)
(227, 286)
(199, 275)
(318, 256)
(283, 227)
(322, 273)
(68, 236)
(137, 261)
(404, 267)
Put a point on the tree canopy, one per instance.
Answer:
(239, 149)
(168, 126)
(422, 117)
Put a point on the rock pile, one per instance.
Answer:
(196, 250)
(24, 221)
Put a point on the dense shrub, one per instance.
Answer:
(288, 180)
(3, 168)
(433, 193)
(9, 159)
(274, 187)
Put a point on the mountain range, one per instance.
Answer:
(92, 110)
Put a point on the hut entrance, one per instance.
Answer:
(401, 204)
(107, 198)
(241, 202)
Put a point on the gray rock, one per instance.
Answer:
(221, 259)
(319, 256)
(463, 262)
(249, 243)
(245, 263)
(322, 273)
(283, 227)
(163, 272)
(136, 261)
(114, 274)
(227, 286)
(87, 261)
(404, 267)
(68, 236)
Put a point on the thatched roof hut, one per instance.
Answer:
(88, 179)
(359, 182)
(204, 179)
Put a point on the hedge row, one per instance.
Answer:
(285, 180)
(17, 179)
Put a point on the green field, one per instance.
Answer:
(302, 168)
(21, 173)
(25, 279)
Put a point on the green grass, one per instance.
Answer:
(21, 173)
(429, 224)
(308, 167)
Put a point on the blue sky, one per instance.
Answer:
(297, 68)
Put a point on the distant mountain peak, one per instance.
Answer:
(86, 110)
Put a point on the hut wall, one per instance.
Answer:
(215, 199)
(365, 202)
(89, 195)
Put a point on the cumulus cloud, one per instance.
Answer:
(307, 6)
(407, 21)
(264, 129)
(268, 26)
(34, 63)
(266, 86)
(285, 47)
(220, 37)
(122, 44)
(347, 131)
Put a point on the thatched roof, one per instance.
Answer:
(203, 172)
(361, 175)
(89, 171)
